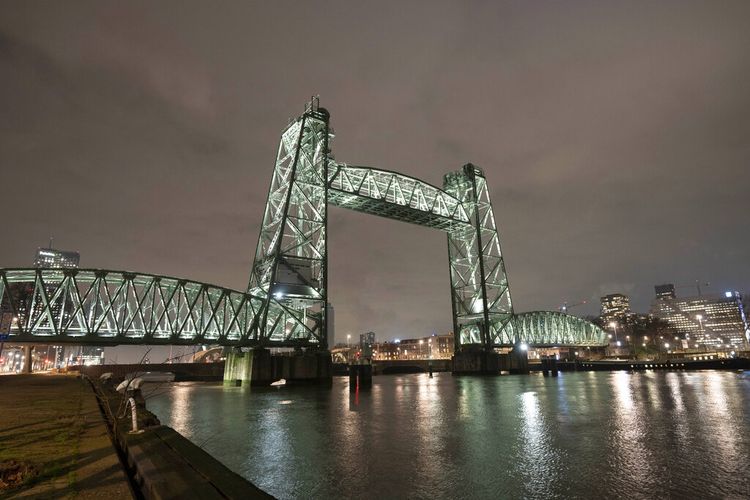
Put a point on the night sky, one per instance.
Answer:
(615, 137)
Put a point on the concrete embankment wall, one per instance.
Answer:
(384, 367)
(182, 371)
(162, 463)
(260, 367)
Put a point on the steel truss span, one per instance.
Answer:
(286, 301)
(118, 307)
(554, 329)
(395, 196)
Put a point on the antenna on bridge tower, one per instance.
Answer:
(314, 104)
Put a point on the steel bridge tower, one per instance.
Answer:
(480, 295)
(290, 268)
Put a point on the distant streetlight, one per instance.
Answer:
(348, 338)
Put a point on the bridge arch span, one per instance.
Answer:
(553, 328)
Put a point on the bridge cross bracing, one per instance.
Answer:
(286, 300)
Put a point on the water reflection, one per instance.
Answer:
(181, 407)
(585, 435)
(628, 450)
(719, 415)
(540, 461)
(681, 422)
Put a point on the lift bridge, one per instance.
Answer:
(285, 303)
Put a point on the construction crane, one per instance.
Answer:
(565, 307)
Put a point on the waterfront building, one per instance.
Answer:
(715, 320)
(51, 257)
(432, 347)
(615, 308)
(386, 351)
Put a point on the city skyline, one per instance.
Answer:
(152, 143)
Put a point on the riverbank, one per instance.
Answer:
(54, 441)
(164, 464)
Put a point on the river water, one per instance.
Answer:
(581, 435)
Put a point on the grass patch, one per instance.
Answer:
(40, 427)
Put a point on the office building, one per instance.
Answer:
(50, 257)
(366, 339)
(665, 291)
(716, 321)
(615, 308)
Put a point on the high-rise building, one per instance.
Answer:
(717, 321)
(615, 307)
(665, 291)
(63, 259)
(366, 338)
(50, 257)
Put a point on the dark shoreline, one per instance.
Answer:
(160, 462)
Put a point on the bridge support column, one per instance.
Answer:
(360, 376)
(476, 362)
(310, 367)
(259, 368)
(549, 366)
(252, 367)
(27, 350)
(518, 361)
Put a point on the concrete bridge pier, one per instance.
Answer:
(258, 367)
(549, 366)
(360, 376)
(518, 361)
(476, 361)
(479, 361)
(28, 350)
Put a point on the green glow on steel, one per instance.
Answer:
(285, 301)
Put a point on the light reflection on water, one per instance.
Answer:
(581, 435)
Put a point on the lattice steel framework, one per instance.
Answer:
(290, 267)
(552, 328)
(285, 301)
(117, 307)
(395, 196)
(480, 296)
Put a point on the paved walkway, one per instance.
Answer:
(53, 423)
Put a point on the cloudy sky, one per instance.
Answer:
(615, 137)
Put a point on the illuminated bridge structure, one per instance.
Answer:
(285, 303)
